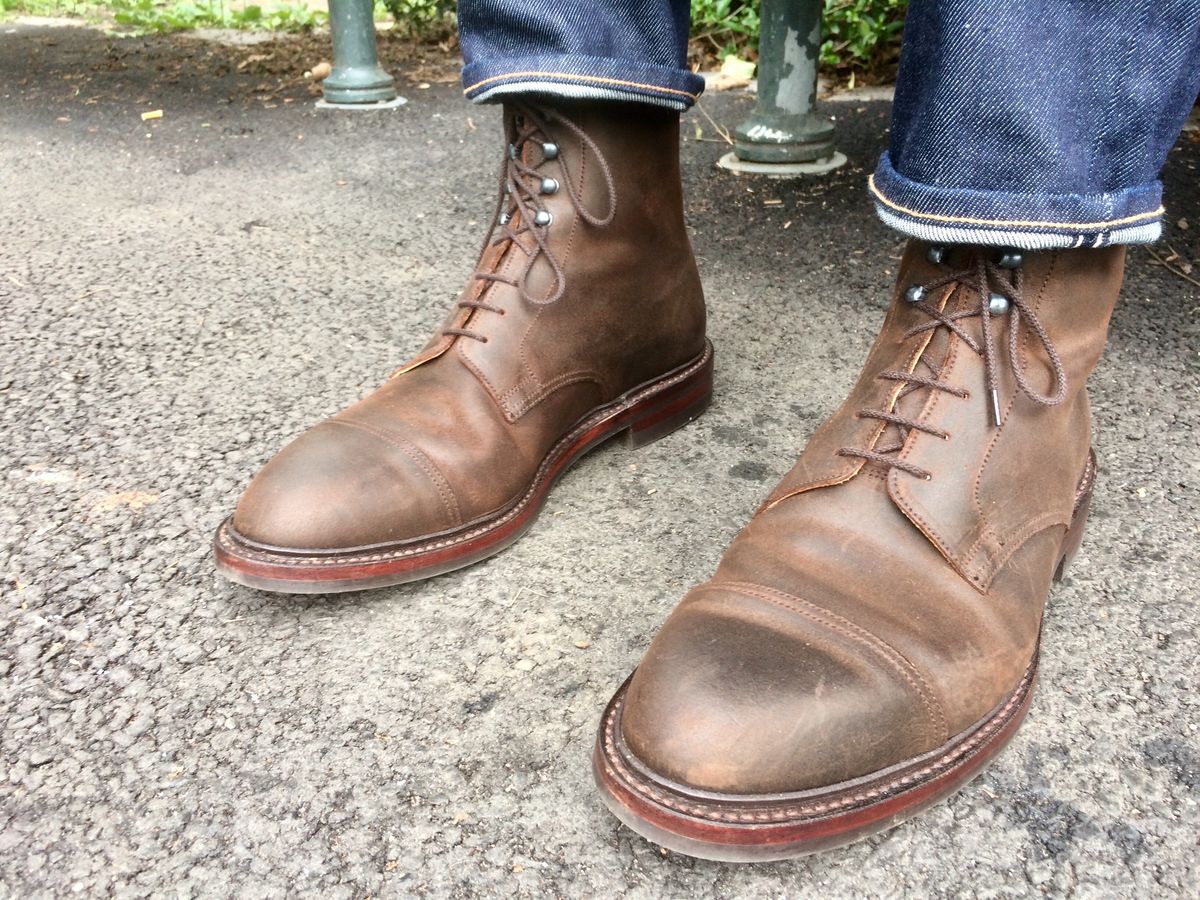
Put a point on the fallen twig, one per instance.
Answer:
(721, 130)
(1170, 268)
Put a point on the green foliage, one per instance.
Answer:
(177, 15)
(148, 16)
(47, 7)
(728, 26)
(422, 18)
(859, 35)
(859, 32)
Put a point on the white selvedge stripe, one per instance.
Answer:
(575, 91)
(1145, 233)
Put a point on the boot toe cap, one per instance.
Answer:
(342, 485)
(757, 693)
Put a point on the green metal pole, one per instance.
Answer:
(357, 76)
(784, 127)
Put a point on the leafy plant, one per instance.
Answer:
(728, 26)
(148, 16)
(49, 7)
(432, 19)
(859, 34)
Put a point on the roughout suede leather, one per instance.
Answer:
(459, 432)
(866, 615)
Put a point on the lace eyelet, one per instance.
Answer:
(997, 304)
(915, 294)
(1010, 259)
(550, 150)
(542, 218)
(937, 254)
(549, 186)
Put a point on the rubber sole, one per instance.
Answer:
(642, 415)
(759, 828)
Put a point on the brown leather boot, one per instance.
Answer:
(584, 319)
(870, 639)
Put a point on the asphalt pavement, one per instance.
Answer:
(181, 295)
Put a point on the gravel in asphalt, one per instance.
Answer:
(179, 297)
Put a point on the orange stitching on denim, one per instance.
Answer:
(1084, 226)
(592, 78)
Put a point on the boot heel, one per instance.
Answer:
(1083, 505)
(662, 411)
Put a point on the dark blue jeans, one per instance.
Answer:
(603, 49)
(1033, 124)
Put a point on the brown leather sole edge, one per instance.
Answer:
(643, 415)
(761, 828)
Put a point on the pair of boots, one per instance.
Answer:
(870, 639)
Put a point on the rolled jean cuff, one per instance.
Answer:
(1022, 221)
(582, 77)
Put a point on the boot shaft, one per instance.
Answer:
(956, 449)
(588, 281)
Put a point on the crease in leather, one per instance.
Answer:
(934, 724)
(416, 454)
(501, 262)
(520, 398)
(897, 481)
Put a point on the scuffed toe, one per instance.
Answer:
(344, 485)
(750, 691)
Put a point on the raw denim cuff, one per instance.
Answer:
(584, 77)
(1022, 221)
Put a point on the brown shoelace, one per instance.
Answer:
(998, 296)
(523, 186)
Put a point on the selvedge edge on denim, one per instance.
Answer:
(631, 50)
(1037, 124)
(583, 77)
(1029, 221)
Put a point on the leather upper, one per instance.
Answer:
(458, 433)
(867, 615)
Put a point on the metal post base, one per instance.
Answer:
(357, 76)
(358, 86)
(785, 136)
(783, 139)
(382, 104)
(730, 162)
